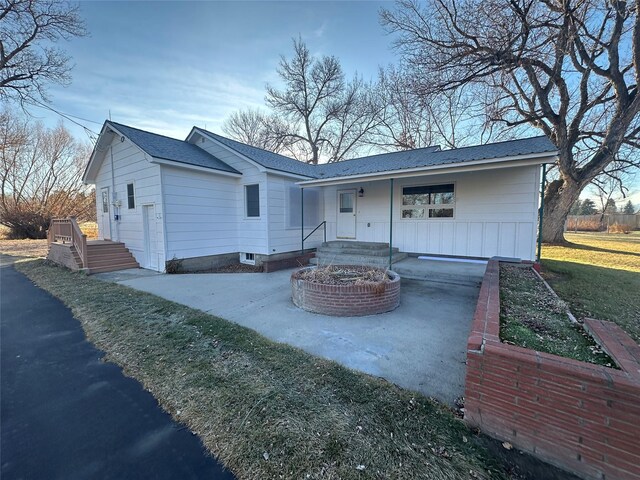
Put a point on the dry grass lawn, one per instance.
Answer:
(598, 274)
(267, 410)
(37, 248)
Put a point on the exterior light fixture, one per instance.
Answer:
(361, 192)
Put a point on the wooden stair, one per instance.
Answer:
(107, 256)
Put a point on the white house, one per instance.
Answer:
(210, 200)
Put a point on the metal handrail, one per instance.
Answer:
(322, 224)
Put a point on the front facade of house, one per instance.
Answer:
(210, 200)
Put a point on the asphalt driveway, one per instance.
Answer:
(421, 345)
(66, 414)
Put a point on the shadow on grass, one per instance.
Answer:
(580, 246)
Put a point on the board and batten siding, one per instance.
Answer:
(131, 166)
(495, 214)
(252, 233)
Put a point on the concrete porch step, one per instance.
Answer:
(441, 271)
(346, 244)
(357, 259)
(379, 252)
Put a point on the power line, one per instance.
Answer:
(90, 133)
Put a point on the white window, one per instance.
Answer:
(252, 200)
(428, 201)
(248, 258)
(311, 207)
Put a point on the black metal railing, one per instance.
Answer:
(322, 224)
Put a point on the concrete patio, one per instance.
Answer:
(420, 346)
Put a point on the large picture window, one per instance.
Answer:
(252, 200)
(428, 201)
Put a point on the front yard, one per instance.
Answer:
(598, 275)
(267, 410)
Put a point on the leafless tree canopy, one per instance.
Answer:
(41, 176)
(567, 67)
(28, 59)
(322, 114)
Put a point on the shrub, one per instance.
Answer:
(620, 228)
(584, 224)
(174, 265)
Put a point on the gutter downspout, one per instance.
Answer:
(302, 218)
(541, 214)
(390, 222)
(113, 199)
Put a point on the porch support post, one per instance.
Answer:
(302, 217)
(390, 222)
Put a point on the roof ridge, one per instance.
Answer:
(147, 132)
(252, 146)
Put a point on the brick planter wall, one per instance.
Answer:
(345, 300)
(581, 417)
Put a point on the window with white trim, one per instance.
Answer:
(252, 200)
(428, 201)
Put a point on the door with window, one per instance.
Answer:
(150, 237)
(346, 224)
(105, 214)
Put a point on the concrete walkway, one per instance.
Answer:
(66, 414)
(421, 345)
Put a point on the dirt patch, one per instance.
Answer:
(238, 268)
(533, 317)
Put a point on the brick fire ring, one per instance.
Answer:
(345, 300)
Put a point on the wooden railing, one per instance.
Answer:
(66, 230)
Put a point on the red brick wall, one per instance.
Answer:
(346, 300)
(581, 417)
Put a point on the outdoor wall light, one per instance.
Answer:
(361, 192)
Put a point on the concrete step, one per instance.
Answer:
(381, 252)
(356, 245)
(114, 267)
(355, 259)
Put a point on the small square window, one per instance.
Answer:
(131, 197)
(252, 200)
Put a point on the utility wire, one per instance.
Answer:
(90, 133)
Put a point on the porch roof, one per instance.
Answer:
(527, 151)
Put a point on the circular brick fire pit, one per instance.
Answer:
(358, 298)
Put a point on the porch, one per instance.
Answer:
(69, 247)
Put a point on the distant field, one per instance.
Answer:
(598, 274)
(37, 248)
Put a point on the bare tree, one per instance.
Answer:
(322, 114)
(412, 118)
(41, 176)
(567, 67)
(254, 127)
(28, 62)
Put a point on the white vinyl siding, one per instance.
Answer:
(201, 213)
(285, 236)
(495, 214)
(131, 166)
(251, 233)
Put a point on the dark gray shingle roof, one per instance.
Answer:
(426, 157)
(172, 149)
(267, 159)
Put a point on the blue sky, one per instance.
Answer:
(167, 66)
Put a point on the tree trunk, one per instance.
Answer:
(559, 196)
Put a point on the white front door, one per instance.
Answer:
(150, 237)
(105, 216)
(346, 224)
